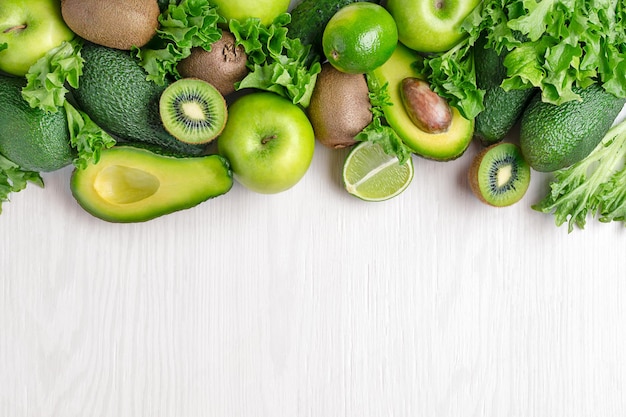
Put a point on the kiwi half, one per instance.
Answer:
(499, 175)
(193, 111)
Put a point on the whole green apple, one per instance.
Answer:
(29, 28)
(269, 142)
(266, 10)
(430, 25)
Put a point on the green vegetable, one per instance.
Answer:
(277, 63)
(14, 179)
(452, 75)
(553, 45)
(595, 185)
(86, 137)
(46, 89)
(183, 25)
(378, 131)
(47, 78)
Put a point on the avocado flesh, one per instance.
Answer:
(441, 146)
(133, 184)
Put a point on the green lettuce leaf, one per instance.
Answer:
(48, 77)
(14, 179)
(378, 131)
(553, 45)
(276, 62)
(452, 76)
(595, 186)
(182, 26)
(86, 137)
(3, 46)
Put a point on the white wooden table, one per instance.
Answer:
(312, 303)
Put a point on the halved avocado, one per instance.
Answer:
(438, 146)
(136, 184)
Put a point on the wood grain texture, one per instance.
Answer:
(311, 303)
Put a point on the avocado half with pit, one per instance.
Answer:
(136, 184)
(445, 146)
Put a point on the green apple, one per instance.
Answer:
(266, 10)
(29, 29)
(430, 25)
(269, 142)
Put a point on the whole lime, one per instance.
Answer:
(359, 38)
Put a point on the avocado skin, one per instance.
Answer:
(554, 137)
(502, 108)
(115, 93)
(31, 138)
(175, 183)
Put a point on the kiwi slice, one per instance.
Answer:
(499, 175)
(193, 111)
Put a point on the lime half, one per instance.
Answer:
(372, 175)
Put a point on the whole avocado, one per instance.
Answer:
(553, 136)
(115, 93)
(31, 138)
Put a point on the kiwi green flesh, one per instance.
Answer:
(499, 175)
(193, 111)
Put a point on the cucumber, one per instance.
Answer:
(502, 108)
(308, 20)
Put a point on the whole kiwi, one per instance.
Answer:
(119, 24)
(340, 107)
(222, 66)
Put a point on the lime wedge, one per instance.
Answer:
(372, 175)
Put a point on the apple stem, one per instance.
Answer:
(16, 28)
(266, 139)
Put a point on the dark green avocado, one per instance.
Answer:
(136, 184)
(554, 137)
(115, 93)
(502, 108)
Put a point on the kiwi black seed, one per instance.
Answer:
(499, 175)
(193, 111)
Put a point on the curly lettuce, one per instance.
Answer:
(595, 186)
(86, 137)
(553, 45)
(46, 89)
(14, 179)
(378, 131)
(47, 79)
(276, 62)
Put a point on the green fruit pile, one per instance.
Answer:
(162, 105)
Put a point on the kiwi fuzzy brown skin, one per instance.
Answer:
(222, 66)
(340, 107)
(119, 24)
